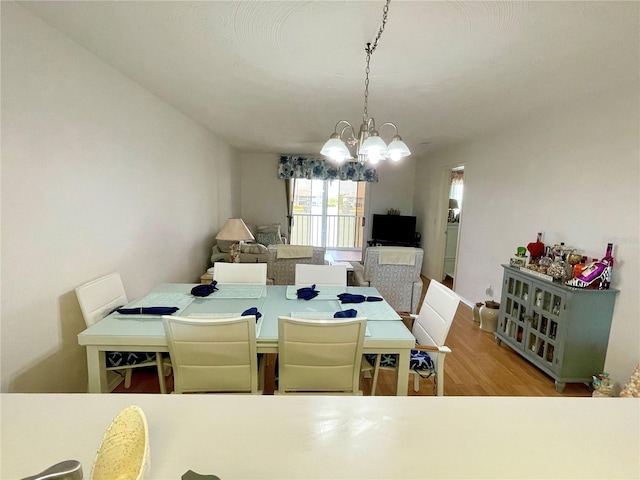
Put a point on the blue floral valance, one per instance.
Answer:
(317, 168)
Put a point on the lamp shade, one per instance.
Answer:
(453, 203)
(398, 149)
(234, 230)
(335, 149)
(373, 146)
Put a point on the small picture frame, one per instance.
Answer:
(518, 262)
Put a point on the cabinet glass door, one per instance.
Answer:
(513, 322)
(544, 325)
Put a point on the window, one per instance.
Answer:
(328, 213)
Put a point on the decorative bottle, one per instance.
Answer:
(608, 261)
(579, 267)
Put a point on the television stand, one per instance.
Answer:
(387, 243)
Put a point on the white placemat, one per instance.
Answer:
(239, 291)
(227, 315)
(313, 315)
(325, 292)
(159, 299)
(373, 310)
(321, 316)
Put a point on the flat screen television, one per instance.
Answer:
(394, 228)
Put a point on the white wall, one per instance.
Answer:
(98, 175)
(264, 200)
(573, 174)
(264, 196)
(394, 188)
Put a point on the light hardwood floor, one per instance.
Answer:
(477, 366)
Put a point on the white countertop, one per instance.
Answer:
(287, 437)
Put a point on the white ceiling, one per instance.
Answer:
(275, 76)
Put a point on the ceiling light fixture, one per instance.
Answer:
(369, 146)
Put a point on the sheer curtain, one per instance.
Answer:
(290, 186)
(457, 187)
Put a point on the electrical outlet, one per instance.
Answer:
(488, 290)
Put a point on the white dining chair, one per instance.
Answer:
(320, 356)
(98, 299)
(430, 328)
(213, 354)
(237, 273)
(334, 275)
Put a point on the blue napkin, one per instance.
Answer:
(252, 311)
(204, 290)
(307, 293)
(351, 313)
(355, 298)
(148, 311)
(351, 298)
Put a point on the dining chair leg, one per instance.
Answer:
(261, 369)
(160, 366)
(127, 377)
(416, 382)
(376, 370)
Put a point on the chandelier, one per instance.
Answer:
(369, 146)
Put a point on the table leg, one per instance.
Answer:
(96, 370)
(160, 367)
(402, 372)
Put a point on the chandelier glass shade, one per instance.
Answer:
(367, 144)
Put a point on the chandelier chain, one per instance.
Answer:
(370, 49)
(369, 146)
(385, 13)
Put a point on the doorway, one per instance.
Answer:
(454, 210)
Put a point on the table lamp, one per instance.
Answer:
(234, 230)
(453, 203)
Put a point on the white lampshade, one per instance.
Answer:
(234, 230)
(398, 149)
(374, 148)
(336, 149)
(374, 157)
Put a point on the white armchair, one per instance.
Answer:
(395, 272)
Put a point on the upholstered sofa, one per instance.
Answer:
(395, 272)
(251, 252)
(282, 261)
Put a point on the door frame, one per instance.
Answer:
(443, 213)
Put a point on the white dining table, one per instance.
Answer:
(316, 437)
(386, 333)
